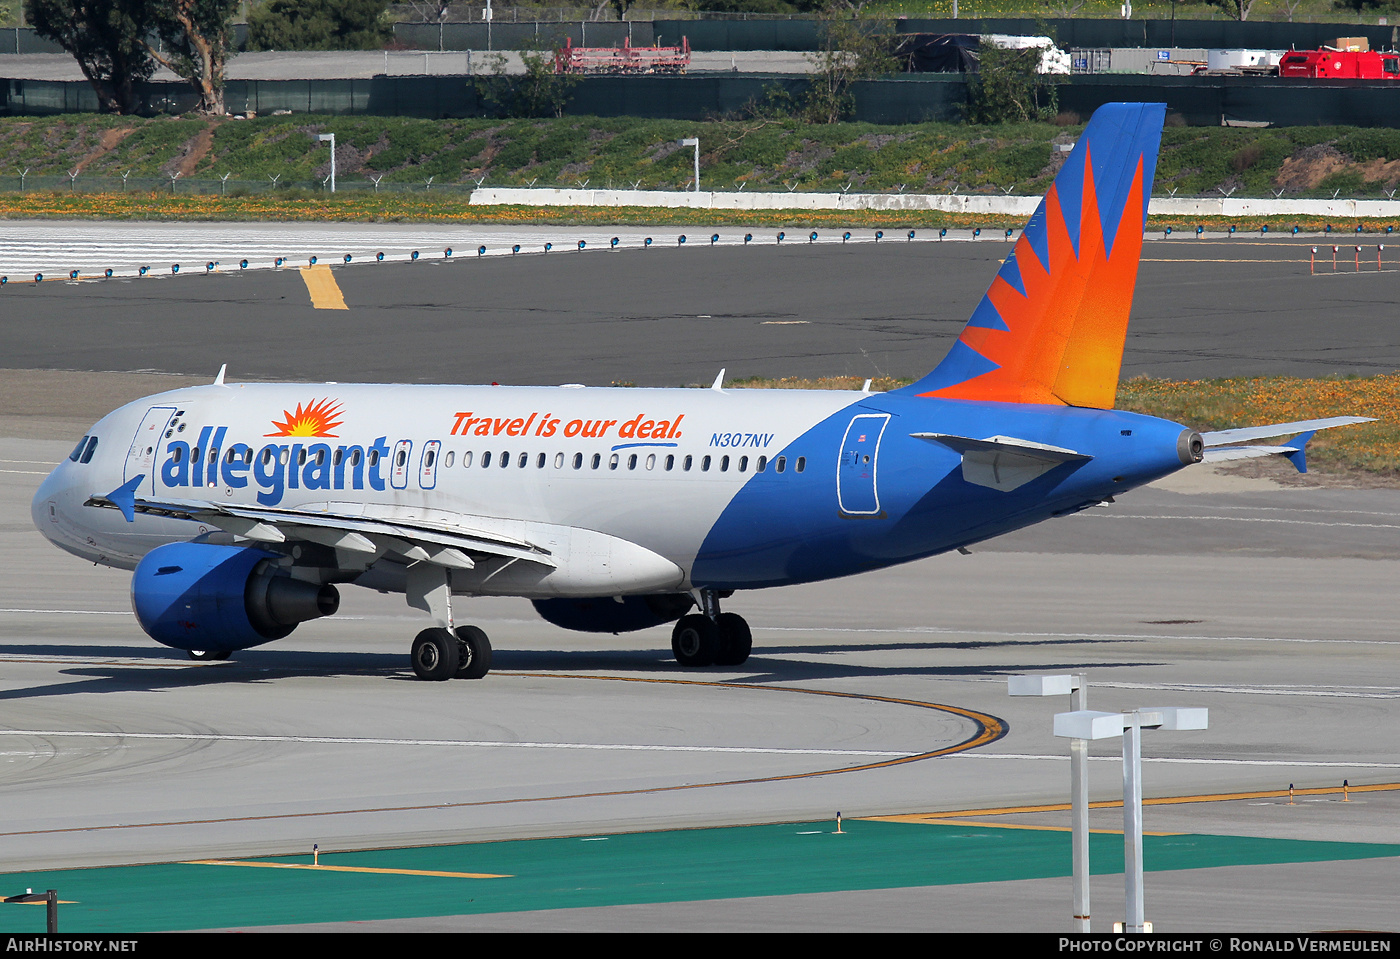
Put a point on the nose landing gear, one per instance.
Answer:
(711, 637)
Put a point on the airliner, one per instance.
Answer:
(243, 507)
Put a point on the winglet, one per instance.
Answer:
(1299, 456)
(219, 380)
(718, 385)
(124, 497)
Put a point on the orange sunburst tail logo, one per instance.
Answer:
(1052, 325)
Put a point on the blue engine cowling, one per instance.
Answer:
(218, 598)
(605, 614)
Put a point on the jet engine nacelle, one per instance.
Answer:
(217, 598)
(605, 614)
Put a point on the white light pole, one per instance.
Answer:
(1077, 687)
(1088, 724)
(331, 138)
(694, 142)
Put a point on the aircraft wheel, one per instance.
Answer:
(695, 640)
(434, 654)
(473, 653)
(735, 640)
(204, 655)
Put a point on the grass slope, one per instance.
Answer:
(758, 153)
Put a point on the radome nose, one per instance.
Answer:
(48, 500)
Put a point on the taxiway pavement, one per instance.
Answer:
(1274, 607)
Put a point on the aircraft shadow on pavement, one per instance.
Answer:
(270, 665)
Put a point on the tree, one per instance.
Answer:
(1009, 87)
(850, 51)
(319, 25)
(538, 92)
(107, 38)
(1239, 9)
(197, 36)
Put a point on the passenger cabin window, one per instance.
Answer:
(486, 459)
(448, 462)
(801, 463)
(466, 459)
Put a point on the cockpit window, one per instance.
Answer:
(78, 450)
(91, 448)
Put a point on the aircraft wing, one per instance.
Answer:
(413, 540)
(1225, 445)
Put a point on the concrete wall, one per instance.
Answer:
(1021, 206)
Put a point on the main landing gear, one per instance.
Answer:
(446, 651)
(440, 653)
(711, 638)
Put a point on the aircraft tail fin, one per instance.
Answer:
(1051, 327)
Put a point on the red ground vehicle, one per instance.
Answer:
(624, 59)
(1329, 64)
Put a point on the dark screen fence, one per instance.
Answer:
(909, 98)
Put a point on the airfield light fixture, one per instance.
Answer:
(330, 137)
(613, 243)
(714, 238)
(1076, 687)
(694, 142)
(1088, 724)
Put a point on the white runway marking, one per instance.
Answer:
(1310, 764)
(473, 744)
(1239, 519)
(56, 248)
(954, 631)
(73, 612)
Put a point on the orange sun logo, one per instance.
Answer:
(318, 419)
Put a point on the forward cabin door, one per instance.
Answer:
(856, 492)
(145, 446)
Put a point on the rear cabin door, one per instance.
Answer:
(856, 492)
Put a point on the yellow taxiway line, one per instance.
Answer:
(963, 814)
(321, 284)
(368, 869)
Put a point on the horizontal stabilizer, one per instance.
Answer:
(1003, 462)
(1245, 434)
(1219, 446)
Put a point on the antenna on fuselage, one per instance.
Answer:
(718, 385)
(219, 380)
